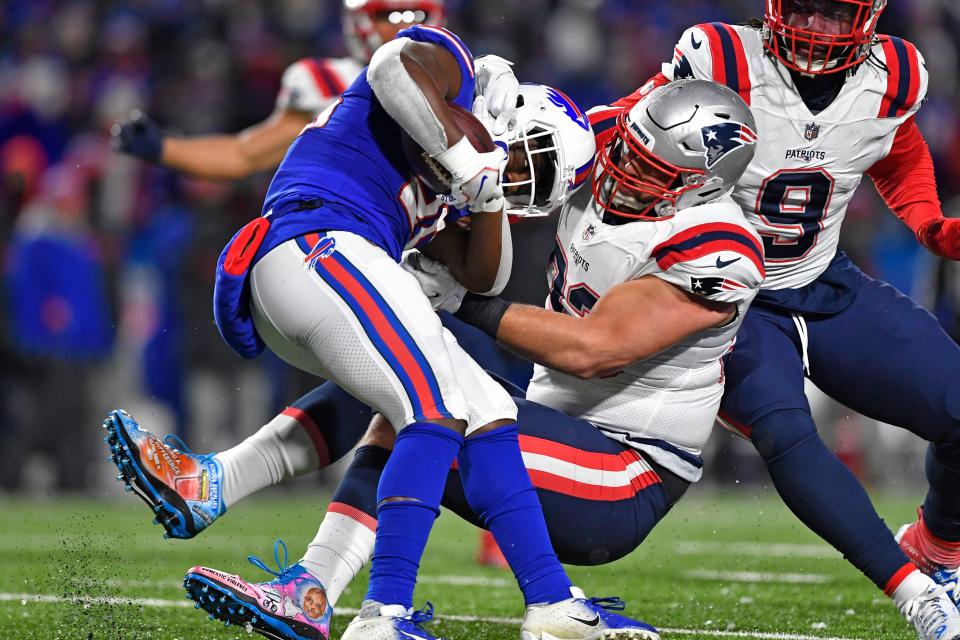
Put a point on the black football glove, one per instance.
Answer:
(138, 136)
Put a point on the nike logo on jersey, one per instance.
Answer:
(483, 181)
(723, 263)
(693, 41)
(589, 623)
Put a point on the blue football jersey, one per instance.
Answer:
(347, 170)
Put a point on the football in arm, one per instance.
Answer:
(432, 172)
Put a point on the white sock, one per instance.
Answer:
(342, 546)
(915, 584)
(280, 450)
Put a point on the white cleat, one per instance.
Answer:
(582, 618)
(389, 622)
(934, 615)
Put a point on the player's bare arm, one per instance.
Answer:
(632, 322)
(477, 257)
(236, 156)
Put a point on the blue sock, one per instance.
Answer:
(499, 491)
(941, 509)
(417, 470)
(825, 495)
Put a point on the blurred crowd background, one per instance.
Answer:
(106, 263)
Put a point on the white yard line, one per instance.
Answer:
(28, 598)
(698, 548)
(757, 576)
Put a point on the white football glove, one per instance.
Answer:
(475, 176)
(499, 87)
(436, 281)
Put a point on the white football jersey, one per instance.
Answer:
(664, 405)
(311, 84)
(807, 166)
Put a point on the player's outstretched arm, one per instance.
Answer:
(631, 322)
(217, 157)
(906, 181)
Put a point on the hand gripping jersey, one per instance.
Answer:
(311, 84)
(666, 404)
(807, 166)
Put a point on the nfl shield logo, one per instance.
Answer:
(812, 132)
(588, 233)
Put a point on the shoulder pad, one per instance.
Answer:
(907, 78)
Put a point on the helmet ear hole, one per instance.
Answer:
(519, 101)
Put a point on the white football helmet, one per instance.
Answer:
(686, 144)
(359, 21)
(559, 147)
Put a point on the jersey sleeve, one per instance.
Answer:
(712, 51)
(721, 261)
(309, 85)
(907, 79)
(449, 41)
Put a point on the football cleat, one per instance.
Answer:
(389, 622)
(181, 487)
(293, 606)
(580, 618)
(948, 577)
(934, 615)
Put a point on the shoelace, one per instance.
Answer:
(610, 603)
(928, 611)
(422, 616)
(172, 440)
(283, 566)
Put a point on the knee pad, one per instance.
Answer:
(778, 433)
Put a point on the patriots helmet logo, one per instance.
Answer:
(721, 139)
(569, 107)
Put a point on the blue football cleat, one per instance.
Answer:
(580, 618)
(294, 606)
(181, 487)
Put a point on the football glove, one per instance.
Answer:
(941, 236)
(475, 176)
(499, 87)
(436, 281)
(138, 136)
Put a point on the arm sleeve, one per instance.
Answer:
(309, 85)
(905, 178)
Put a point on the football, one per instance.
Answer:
(433, 175)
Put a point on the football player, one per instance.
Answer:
(835, 101)
(668, 292)
(317, 279)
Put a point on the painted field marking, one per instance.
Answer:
(27, 598)
(757, 576)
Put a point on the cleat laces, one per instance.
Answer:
(928, 612)
(284, 567)
(610, 603)
(423, 616)
(174, 441)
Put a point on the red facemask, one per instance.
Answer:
(818, 37)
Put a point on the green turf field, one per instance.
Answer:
(738, 567)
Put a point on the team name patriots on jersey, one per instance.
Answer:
(664, 405)
(807, 166)
(311, 84)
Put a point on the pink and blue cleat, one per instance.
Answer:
(181, 487)
(293, 606)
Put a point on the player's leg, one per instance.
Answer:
(764, 400)
(356, 317)
(888, 358)
(296, 441)
(498, 489)
(600, 498)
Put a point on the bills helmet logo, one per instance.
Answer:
(812, 132)
(721, 139)
(569, 107)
